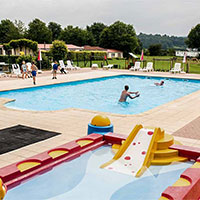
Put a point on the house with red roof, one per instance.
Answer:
(93, 48)
(70, 47)
(111, 53)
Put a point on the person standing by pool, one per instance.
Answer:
(24, 70)
(34, 71)
(126, 94)
(55, 68)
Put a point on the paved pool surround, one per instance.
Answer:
(72, 122)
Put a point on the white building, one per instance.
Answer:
(113, 53)
(188, 53)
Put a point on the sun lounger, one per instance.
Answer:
(16, 70)
(28, 64)
(70, 66)
(136, 67)
(62, 65)
(62, 69)
(108, 66)
(148, 68)
(177, 68)
(94, 66)
(2, 74)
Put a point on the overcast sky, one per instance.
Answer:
(171, 17)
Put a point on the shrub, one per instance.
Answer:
(8, 59)
(58, 50)
(85, 55)
(28, 58)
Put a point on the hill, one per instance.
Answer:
(165, 40)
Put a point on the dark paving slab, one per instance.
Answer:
(15, 137)
(190, 130)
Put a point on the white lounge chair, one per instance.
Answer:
(136, 67)
(28, 64)
(16, 70)
(2, 74)
(62, 65)
(148, 68)
(70, 66)
(62, 69)
(110, 66)
(94, 66)
(177, 68)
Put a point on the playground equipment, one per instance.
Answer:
(142, 148)
(3, 190)
(100, 124)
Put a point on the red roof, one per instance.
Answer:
(86, 47)
(48, 46)
(94, 48)
(72, 46)
(113, 51)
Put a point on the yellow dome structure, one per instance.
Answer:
(2, 190)
(100, 120)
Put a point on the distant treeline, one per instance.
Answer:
(118, 36)
(167, 42)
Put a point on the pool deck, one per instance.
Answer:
(72, 123)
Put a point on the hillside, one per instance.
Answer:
(165, 40)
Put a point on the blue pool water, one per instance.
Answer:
(82, 179)
(101, 94)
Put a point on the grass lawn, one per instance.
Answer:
(159, 65)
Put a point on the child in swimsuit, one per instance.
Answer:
(24, 70)
(34, 72)
(55, 68)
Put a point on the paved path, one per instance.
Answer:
(72, 123)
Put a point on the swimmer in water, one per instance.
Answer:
(126, 94)
(159, 84)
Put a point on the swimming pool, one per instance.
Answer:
(101, 94)
(83, 178)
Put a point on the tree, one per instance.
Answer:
(155, 49)
(38, 31)
(96, 30)
(8, 31)
(171, 52)
(76, 36)
(193, 40)
(55, 30)
(21, 27)
(58, 50)
(139, 48)
(119, 36)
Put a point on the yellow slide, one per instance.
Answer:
(136, 153)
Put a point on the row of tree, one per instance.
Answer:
(118, 35)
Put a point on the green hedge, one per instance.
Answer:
(85, 55)
(18, 59)
(8, 59)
